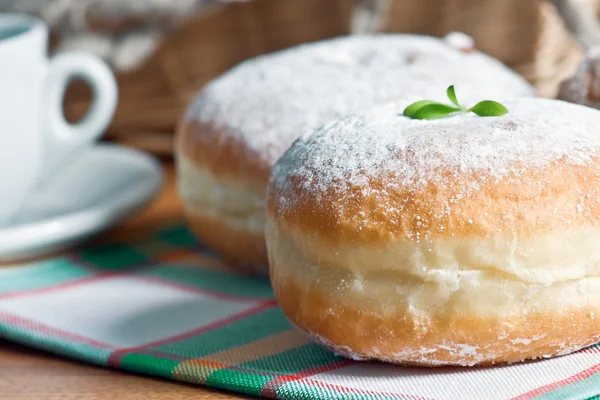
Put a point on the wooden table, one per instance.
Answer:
(30, 374)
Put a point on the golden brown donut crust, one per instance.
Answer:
(535, 201)
(241, 247)
(372, 335)
(226, 160)
(209, 147)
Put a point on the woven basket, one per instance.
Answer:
(527, 35)
(153, 97)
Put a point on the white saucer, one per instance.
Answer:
(103, 185)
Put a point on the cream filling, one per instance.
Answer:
(239, 206)
(474, 276)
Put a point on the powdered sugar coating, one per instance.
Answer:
(464, 355)
(460, 41)
(347, 154)
(267, 102)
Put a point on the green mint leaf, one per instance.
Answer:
(433, 111)
(414, 107)
(452, 95)
(488, 108)
(428, 109)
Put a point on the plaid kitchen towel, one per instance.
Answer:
(169, 307)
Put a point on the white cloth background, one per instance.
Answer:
(148, 22)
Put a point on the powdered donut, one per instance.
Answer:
(459, 241)
(241, 122)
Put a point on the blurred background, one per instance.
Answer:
(163, 51)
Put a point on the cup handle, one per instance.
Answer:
(63, 138)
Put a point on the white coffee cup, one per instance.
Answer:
(35, 139)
